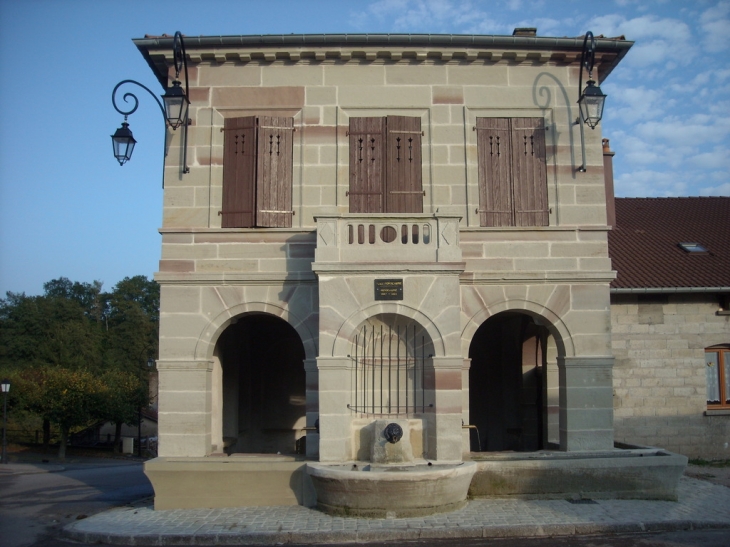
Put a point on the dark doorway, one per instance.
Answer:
(264, 386)
(508, 357)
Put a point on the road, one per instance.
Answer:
(34, 507)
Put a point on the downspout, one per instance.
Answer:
(608, 182)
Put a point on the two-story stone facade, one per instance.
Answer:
(383, 227)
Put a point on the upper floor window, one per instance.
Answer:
(385, 165)
(257, 172)
(512, 172)
(717, 360)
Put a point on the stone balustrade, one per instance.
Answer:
(391, 238)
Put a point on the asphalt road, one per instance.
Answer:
(34, 507)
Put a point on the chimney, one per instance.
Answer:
(527, 31)
(608, 182)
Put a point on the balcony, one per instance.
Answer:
(387, 239)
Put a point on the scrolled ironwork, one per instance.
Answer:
(128, 94)
(174, 92)
(587, 60)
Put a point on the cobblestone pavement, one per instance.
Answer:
(701, 505)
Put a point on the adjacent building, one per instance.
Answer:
(670, 314)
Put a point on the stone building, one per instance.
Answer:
(379, 229)
(670, 317)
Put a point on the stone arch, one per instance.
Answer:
(542, 315)
(350, 326)
(207, 341)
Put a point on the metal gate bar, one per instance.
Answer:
(376, 391)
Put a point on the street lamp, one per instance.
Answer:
(5, 385)
(174, 108)
(591, 99)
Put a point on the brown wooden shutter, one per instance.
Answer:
(367, 165)
(529, 172)
(239, 172)
(495, 172)
(404, 167)
(274, 172)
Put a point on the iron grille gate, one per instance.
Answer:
(389, 370)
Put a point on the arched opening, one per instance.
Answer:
(507, 384)
(263, 386)
(392, 367)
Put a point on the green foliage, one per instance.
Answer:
(121, 396)
(77, 354)
(43, 330)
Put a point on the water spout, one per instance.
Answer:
(393, 433)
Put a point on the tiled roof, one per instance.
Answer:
(644, 244)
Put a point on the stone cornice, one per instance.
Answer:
(234, 278)
(380, 48)
(513, 278)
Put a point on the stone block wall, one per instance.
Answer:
(322, 95)
(660, 395)
(210, 275)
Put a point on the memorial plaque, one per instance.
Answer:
(388, 289)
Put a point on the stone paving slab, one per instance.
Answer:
(701, 505)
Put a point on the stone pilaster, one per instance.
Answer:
(586, 403)
(185, 408)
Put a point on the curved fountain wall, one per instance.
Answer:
(396, 491)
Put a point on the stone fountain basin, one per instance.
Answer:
(394, 491)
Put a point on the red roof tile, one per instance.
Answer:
(644, 244)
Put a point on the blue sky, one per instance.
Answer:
(68, 209)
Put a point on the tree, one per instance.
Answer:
(133, 327)
(75, 329)
(87, 295)
(67, 398)
(47, 330)
(123, 394)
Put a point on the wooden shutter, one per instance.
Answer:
(367, 165)
(495, 172)
(274, 172)
(403, 181)
(529, 172)
(239, 172)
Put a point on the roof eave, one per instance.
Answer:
(474, 41)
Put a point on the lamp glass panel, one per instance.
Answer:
(123, 147)
(176, 107)
(591, 110)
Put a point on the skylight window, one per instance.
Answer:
(693, 247)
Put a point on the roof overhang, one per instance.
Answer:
(157, 50)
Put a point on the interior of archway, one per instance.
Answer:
(263, 386)
(392, 368)
(507, 384)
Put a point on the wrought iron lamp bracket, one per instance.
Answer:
(180, 63)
